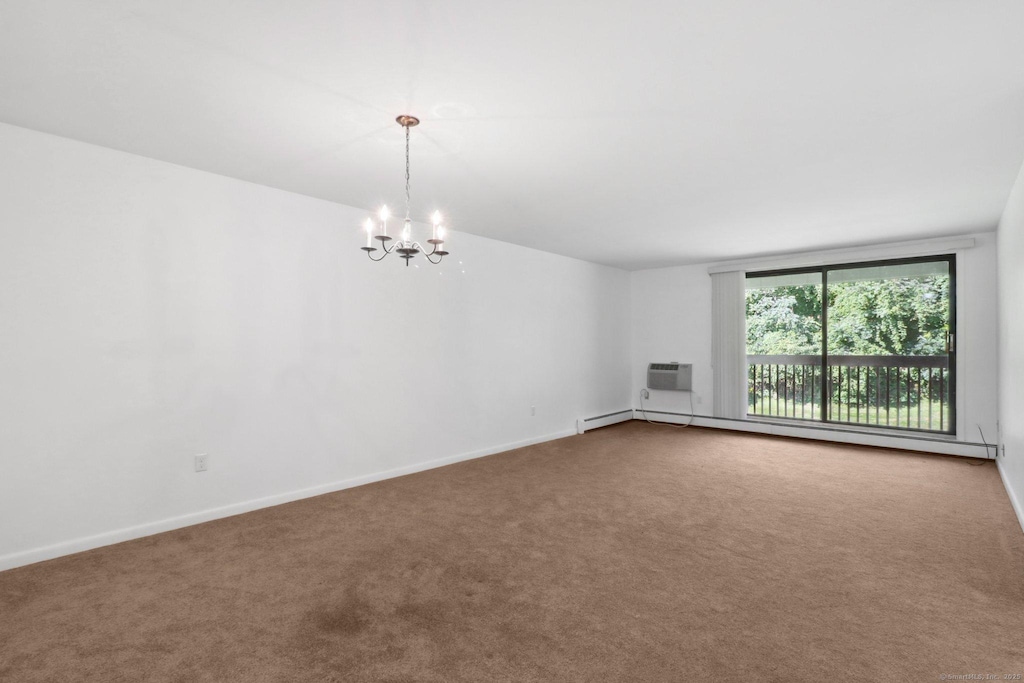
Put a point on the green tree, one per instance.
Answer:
(898, 316)
(784, 320)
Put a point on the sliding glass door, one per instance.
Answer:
(863, 344)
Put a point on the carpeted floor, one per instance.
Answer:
(632, 553)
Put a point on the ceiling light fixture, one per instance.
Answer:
(405, 247)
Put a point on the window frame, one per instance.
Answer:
(951, 348)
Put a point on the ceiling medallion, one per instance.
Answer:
(405, 247)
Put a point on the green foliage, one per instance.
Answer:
(904, 316)
(898, 316)
(784, 320)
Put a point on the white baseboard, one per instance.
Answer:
(901, 441)
(1014, 500)
(77, 545)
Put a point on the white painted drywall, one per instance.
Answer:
(637, 134)
(671, 312)
(1011, 346)
(151, 312)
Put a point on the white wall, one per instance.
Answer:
(152, 312)
(671, 312)
(1011, 346)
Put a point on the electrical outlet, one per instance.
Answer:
(201, 462)
(646, 394)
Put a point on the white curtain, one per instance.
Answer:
(729, 343)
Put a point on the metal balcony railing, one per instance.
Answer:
(908, 392)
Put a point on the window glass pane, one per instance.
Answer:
(887, 345)
(784, 345)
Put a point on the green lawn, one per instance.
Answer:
(916, 419)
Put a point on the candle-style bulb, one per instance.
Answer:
(384, 213)
(440, 232)
(407, 230)
(436, 218)
(369, 233)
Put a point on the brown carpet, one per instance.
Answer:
(632, 553)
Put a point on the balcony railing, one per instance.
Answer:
(909, 392)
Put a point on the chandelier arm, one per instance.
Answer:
(382, 257)
(439, 258)
(433, 250)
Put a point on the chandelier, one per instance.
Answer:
(405, 247)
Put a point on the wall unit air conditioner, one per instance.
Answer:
(669, 376)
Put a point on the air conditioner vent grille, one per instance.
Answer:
(669, 376)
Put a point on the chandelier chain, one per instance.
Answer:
(407, 202)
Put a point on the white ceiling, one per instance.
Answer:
(634, 133)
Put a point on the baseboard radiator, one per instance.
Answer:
(909, 442)
(585, 424)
